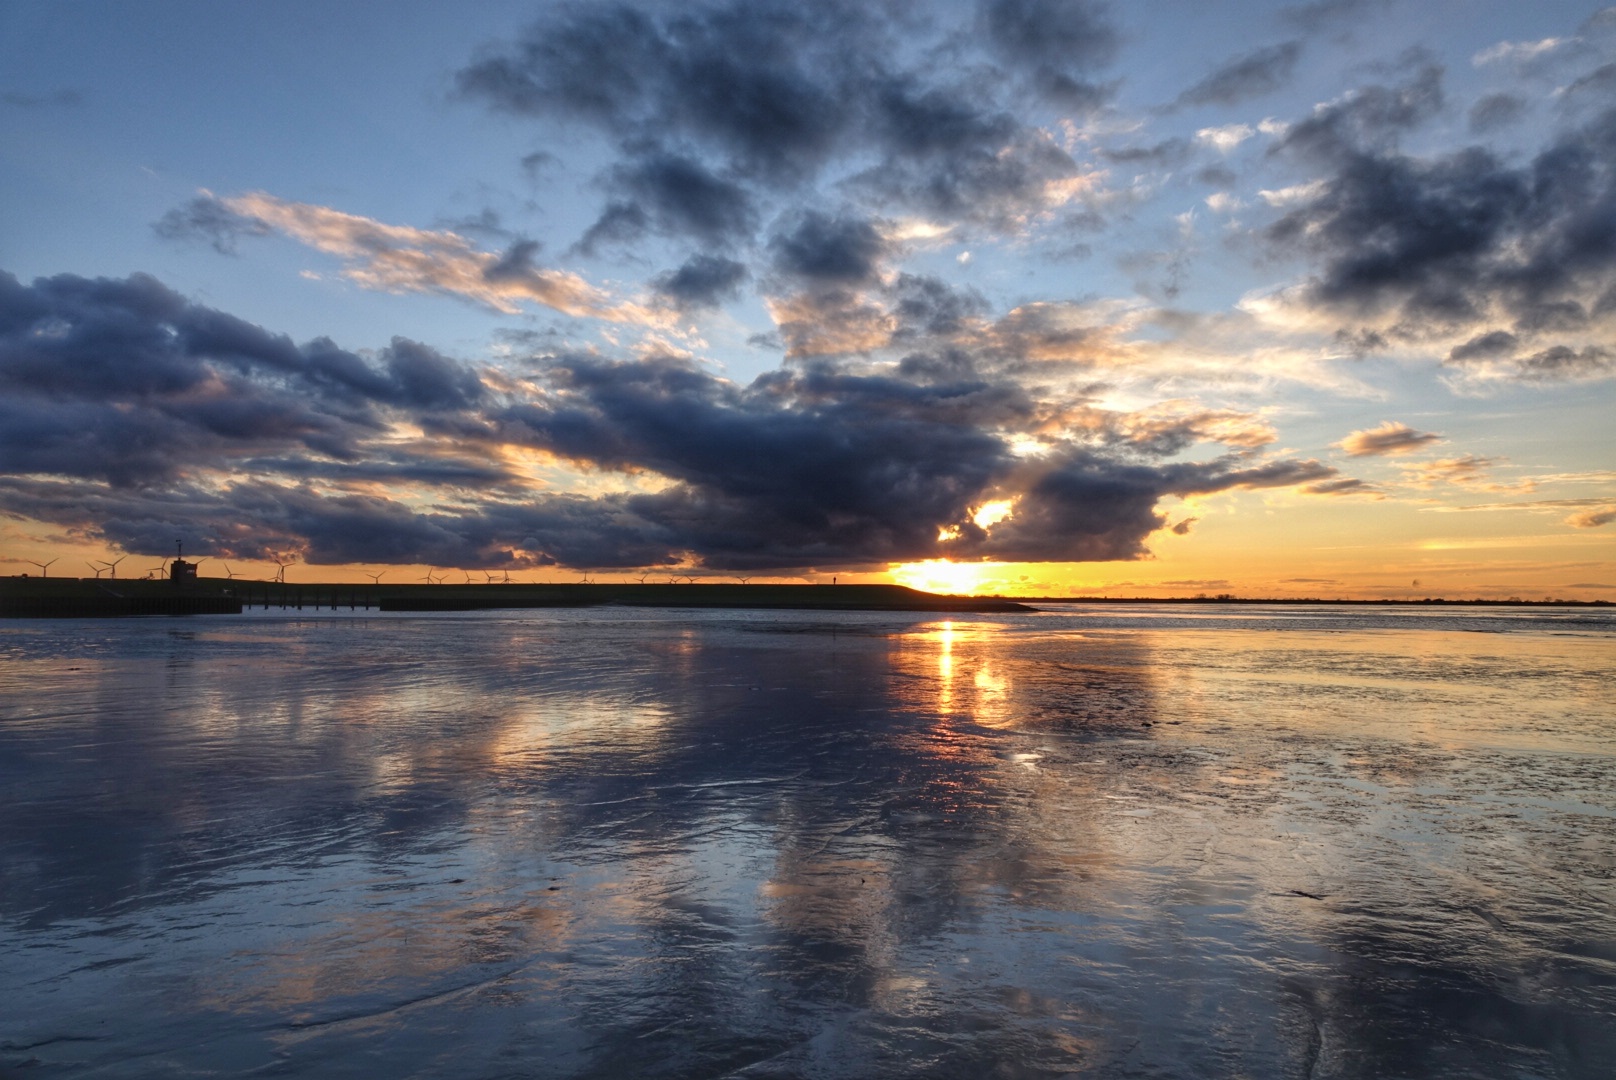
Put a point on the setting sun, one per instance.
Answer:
(944, 576)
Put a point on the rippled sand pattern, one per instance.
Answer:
(1118, 842)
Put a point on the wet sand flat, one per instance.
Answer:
(1209, 842)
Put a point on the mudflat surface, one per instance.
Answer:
(1197, 842)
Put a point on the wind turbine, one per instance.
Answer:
(429, 579)
(161, 570)
(112, 566)
(280, 570)
(507, 579)
(44, 567)
(228, 573)
(375, 579)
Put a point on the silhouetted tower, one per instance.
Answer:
(181, 572)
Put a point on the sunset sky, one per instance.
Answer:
(1022, 296)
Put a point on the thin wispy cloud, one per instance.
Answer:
(400, 258)
(1390, 437)
(1593, 519)
(1344, 486)
(1466, 470)
(1251, 75)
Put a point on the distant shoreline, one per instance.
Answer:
(1429, 601)
(22, 596)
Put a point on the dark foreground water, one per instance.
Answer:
(1102, 842)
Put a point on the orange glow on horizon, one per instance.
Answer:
(944, 576)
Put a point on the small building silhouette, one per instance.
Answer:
(181, 572)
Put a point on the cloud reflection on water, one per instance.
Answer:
(679, 844)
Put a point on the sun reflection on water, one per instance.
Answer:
(623, 850)
(961, 662)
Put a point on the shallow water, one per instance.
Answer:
(1208, 842)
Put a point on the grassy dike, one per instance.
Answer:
(31, 597)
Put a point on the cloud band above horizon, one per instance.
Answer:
(131, 413)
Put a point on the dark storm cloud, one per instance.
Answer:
(1598, 86)
(772, 85)
(1370, 116)
(257, 520)
(1496, 111)
(129, 412)
(619, 223)
(1496, 344)
(994, 185)
(702, 281)
(126, 381)
(821, 248)
(382, 468)
(826, 466)
(1513, 255)
(760, 97)
(1325, 14)
(515, 262)
(1058, 44)
(835, 300)
(1055, 35)
(208, 220)
(1254, 74)
(537, 162)
(486, 223)
(1562, 363)
(930, 308)
(424, 379)
(1090, 506)
(913, 119)
(1167, 152)
(673, 195)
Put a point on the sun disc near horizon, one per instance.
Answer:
(945, 576)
